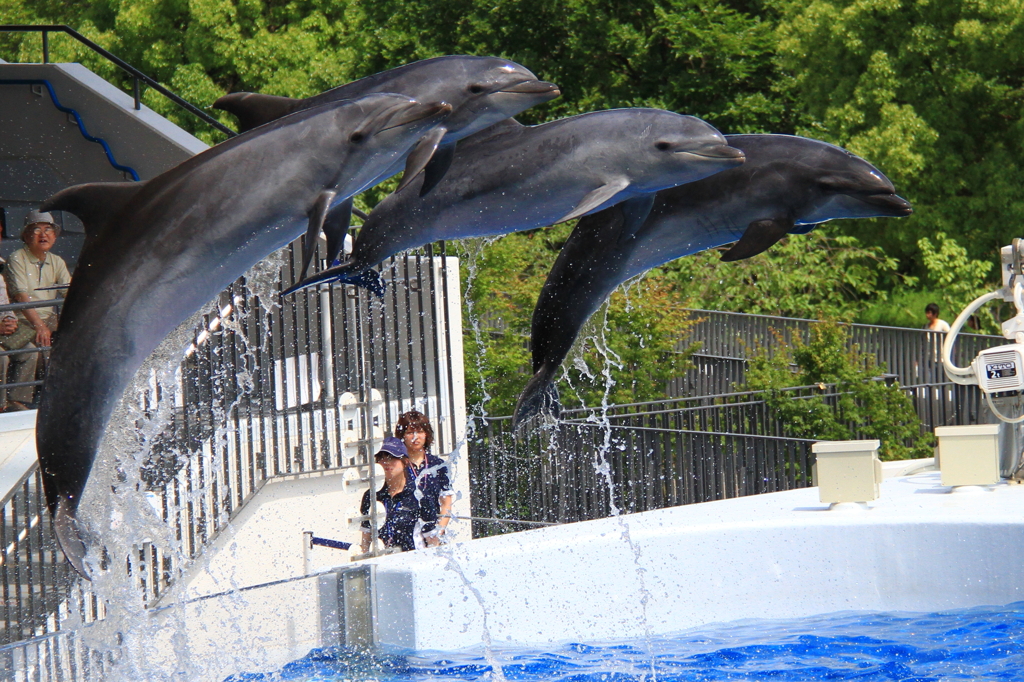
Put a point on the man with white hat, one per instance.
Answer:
(33, 272)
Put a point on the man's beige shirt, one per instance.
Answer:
(27, 275)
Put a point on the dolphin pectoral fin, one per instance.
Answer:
(94, 203)
(540, 397)
(635, 212)
(253, 110)
(759, 236)
(437, 167)
(336, 227)
(421, 155)
(69, 537)
(595, 198)
(317, 215)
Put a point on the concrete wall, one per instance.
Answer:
(920, 547)
(43, 151)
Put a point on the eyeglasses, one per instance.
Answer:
(43, 229)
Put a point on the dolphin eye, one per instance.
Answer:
(357, 137)
(663, 146)
(476, 89)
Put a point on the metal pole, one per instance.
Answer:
(366, 389)
(46, 47)
(135, 93)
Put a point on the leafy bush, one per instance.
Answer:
(866, 407)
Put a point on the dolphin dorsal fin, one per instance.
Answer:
(505, 127)
(94, 203)
(253, 109)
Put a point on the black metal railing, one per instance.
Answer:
(643, 456)
(29, 348)
(728, 340)
(137, 76)
(583, 470)
(267, 388)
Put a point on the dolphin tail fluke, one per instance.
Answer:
(370, 280)
(540, 397)
(367, 279)
(69, 537)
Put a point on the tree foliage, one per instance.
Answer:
(806, 276)
(864, 407)
(932, 93)
(627, 355)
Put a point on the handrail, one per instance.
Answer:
(52, 303)
(136, 75)
(856, 325)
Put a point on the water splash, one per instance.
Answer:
(129, 533)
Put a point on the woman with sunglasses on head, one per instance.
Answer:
(429, 471)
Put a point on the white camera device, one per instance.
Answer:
(1000, 369)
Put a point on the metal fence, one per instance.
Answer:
(583, 470)
(56, 657)
(266, 389)
(728, 340)
(642, 456)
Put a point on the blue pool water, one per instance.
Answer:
(970, 644)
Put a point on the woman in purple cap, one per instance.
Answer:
(407, 522)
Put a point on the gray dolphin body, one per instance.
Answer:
(481, 90)
(158, 251)
(787, 185)
(516, 177)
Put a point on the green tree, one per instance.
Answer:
(711, 58)
(807, 276)
(627, 353)
(865, 407)
(932, 93)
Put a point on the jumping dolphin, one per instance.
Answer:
(514, 177)
(787, 185)
(481, 90)
(155, 252)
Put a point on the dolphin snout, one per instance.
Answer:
(717, 151)
(533, 87)
(895, 206)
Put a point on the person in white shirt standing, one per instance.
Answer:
(931, 312)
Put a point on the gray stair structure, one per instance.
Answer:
(44, 150)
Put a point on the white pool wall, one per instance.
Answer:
(920, 547)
